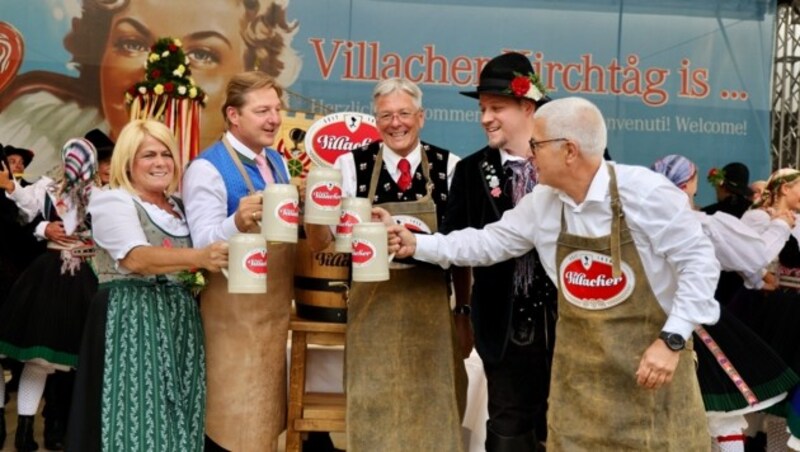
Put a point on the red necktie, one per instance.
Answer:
(404, 181)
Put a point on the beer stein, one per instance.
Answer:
(354, 211)
(247, 264)
(370, 252)
(323, 196)
(280, 214)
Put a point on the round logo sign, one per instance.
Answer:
(339, 133)
(288, 212)
(363, 252)
(254, 263)
(586, 281)
(413, 224)
(326, 195)
(12, 47)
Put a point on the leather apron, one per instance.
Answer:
(608, 316)
(245, 338)
(405, 380)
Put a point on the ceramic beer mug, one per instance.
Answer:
(370, 252)
(323, 201)
(354, 211)
(280, 213)
(247, 264)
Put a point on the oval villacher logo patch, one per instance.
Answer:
(586, 281)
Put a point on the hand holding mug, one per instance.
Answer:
(248, 213)
(215, 257)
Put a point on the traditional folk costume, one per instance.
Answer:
(245, 335)
(513, 303)
(623, 277)
(773, 316)
(42, 320)
(738, 372)
(405, 380)
(141, 382)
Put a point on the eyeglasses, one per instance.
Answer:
(402, 115)
(534, 144)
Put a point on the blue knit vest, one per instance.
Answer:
(234, 184)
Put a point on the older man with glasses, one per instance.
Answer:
(636, 275)
(406, 382)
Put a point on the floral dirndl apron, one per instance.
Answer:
(406, 382)
(608, 316)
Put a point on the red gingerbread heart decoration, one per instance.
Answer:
(12, 49)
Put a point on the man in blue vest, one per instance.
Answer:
(245, 334)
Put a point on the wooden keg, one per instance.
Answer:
(320, 283)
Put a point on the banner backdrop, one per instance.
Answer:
(677, 76)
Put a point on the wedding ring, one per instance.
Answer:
(254, 216)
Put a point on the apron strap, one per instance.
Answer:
(616, 214)
(616, 228)
(238, 162)
(376, 171)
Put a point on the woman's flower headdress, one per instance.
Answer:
(167, 73)
(526, 86)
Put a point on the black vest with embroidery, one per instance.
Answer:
(387, 189)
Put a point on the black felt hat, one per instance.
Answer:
(101, 142)
(26, 154)
(737, 179)
(512, 75)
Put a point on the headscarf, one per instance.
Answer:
(677, 168)
(80, 163)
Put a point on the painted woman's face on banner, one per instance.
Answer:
(211, 40)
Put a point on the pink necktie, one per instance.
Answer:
(404, 181)
(264, 169)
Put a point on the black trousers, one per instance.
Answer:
(518, 386)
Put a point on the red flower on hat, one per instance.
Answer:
(169, 87)
(520, 85)
(716, 176)
(526, 86)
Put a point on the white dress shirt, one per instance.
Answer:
(116, 227)
(347, 165)
(206, 199)
(677, 257)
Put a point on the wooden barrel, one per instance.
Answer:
(320, 283)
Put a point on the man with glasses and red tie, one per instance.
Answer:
(636, 274)
(406, 382)
(512, 303)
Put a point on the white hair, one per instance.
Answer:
(577, 119)
(391, 85)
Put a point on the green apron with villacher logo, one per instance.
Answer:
(608, 317)
(405, 380)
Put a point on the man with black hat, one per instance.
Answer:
(732, 186)
(512, 303)
(18, 248)
(734, 197)
(105, 147)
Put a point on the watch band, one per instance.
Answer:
(462, 309)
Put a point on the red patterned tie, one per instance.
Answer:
(404, 181)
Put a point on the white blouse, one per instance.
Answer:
(115, 222)
(742, 248)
